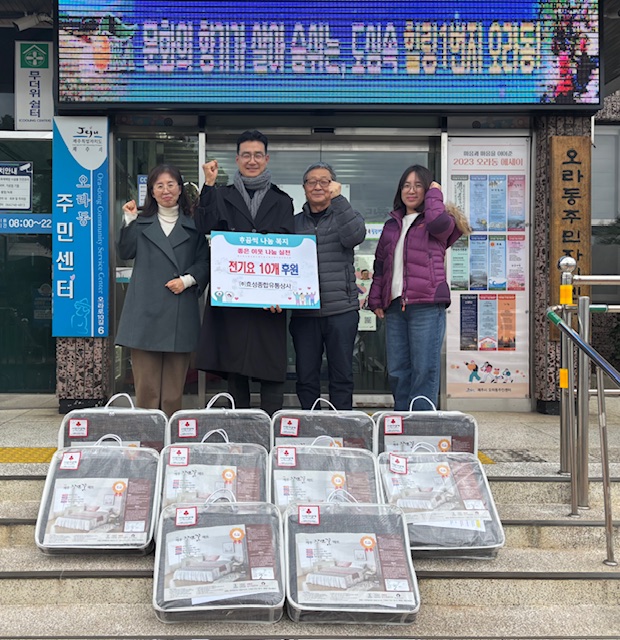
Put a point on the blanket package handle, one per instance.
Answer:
(120, 395)
(327, 402)
(109, 436)
(217, 396)
(210, 433)
(434, 408)
(330, 441)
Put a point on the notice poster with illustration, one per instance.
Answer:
(264, 270)
(487, 334)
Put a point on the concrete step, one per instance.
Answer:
(116, 614)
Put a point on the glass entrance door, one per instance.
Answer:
(369, 168)
(27, 349)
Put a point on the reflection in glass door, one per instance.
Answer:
(369, 170)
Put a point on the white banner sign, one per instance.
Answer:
(264, 270)
(34, 73)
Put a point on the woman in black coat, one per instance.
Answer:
(160, 321)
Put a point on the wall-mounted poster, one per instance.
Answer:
(487, 337)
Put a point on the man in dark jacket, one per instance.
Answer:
(239, 343)
(338, 229)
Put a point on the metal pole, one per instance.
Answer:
(583, 402)
(572, 444)
(565, 408)
(602, 426)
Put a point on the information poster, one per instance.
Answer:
(80, 227)
(264, 270)
(487, 343)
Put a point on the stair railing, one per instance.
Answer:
(574, 452)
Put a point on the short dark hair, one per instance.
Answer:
(424, 175)
(251, 136)
(150, 204)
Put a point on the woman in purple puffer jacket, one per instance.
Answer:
(409, 287)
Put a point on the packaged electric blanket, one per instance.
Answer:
(136, 427)
(219, 561)
(311, 473)
(440, 431)
(239, 425)
(99, 498)
(192, 472)
(349, 563)
(447, 502)
(347, 428)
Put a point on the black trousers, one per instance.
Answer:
(271, 393)
(336, 336)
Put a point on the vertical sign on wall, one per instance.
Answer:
(34, 72)
(80, 227)
(570, 224)
(487, 344)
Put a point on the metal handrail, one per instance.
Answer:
(614, 375)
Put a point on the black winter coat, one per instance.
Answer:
(250, 342)
(154, 318)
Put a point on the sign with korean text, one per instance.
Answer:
(570, 212)
(487, 333)
(80, 227)
(329, 52)
(15, 186)
(34, 97)
(264, 270)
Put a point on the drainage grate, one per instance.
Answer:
(514, 455)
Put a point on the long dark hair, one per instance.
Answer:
(150, 204)
(424, 175)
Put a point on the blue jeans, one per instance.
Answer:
(336, 335)
(413, 342)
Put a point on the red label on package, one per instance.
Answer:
(309, 514)
(70, 460)
(179, 457)
(188, 428)
(393, 425)
(287, 457)
(78, 428)
(186, 516)
(398, 464)
(289, 427)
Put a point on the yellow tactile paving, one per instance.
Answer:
(26, 455)
(484, 458)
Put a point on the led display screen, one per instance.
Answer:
(361, 52)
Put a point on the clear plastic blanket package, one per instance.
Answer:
(349, 563)
(220, 561)
(447, 501)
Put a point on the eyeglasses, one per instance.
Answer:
(246, 156)
(412, 187)
(323, 182)
(160, 186)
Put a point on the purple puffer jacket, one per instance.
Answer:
(424, 274)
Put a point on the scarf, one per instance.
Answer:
(260, 185)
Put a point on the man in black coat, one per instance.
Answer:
(239, 343)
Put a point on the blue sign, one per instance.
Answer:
(25, 223)
(80, 227)
(330, 52)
